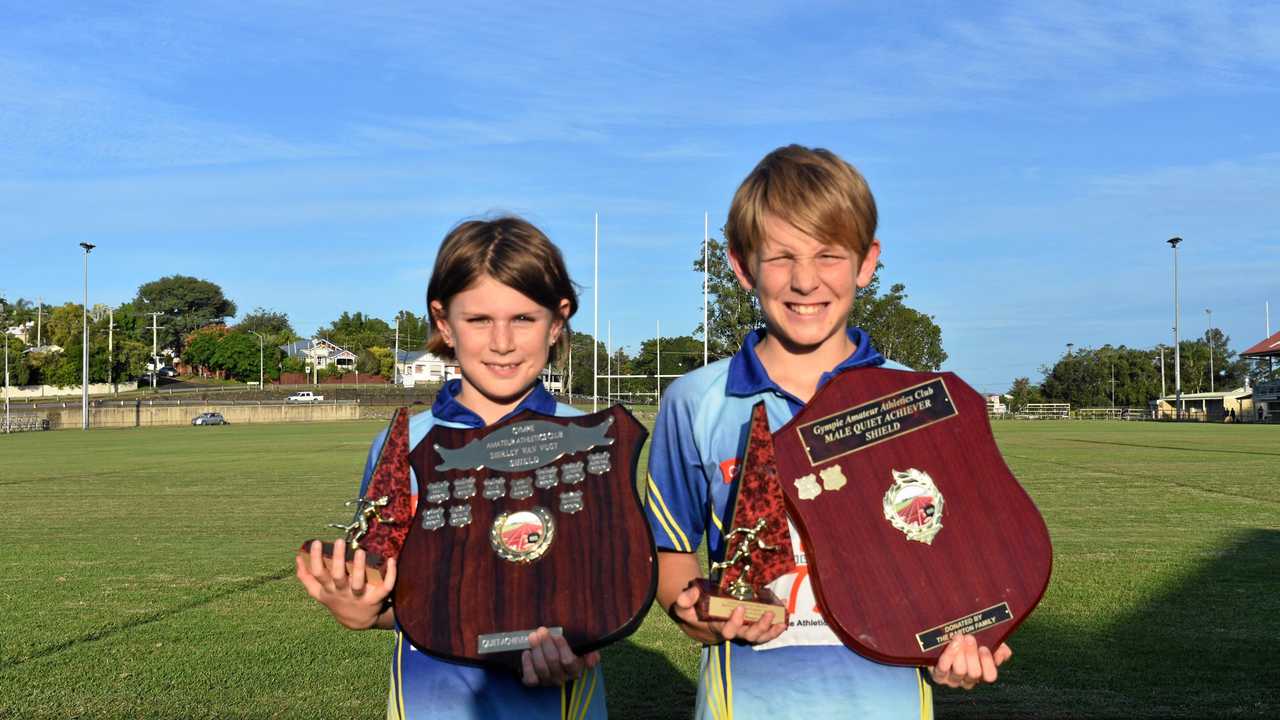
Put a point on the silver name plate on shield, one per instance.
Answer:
(509, 641)
(524, 446)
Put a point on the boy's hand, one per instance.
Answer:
(735, 628)
(550, 662)
(963, 664)
(350, 598)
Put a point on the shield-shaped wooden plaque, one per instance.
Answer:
(533, 522)
(914, 528)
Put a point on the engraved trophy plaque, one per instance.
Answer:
(381, 520)
(758, 544)
(532, 522)
(914, 528)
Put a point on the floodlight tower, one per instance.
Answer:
(84, 368)
(1177, 351)
(1209, 312)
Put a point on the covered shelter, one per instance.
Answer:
(1266, 395)
(1206, 406)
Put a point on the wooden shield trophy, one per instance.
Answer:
(533, 522)
(914, 528)
(758, 542)
(382, 515)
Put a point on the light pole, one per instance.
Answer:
(84, 369)
(259, 360)
(1177, 350)
(1209, 312)
(4, 327)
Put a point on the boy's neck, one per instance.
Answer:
(798, 369)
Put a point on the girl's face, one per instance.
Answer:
(502, 339)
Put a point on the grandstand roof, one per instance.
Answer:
(1267, 348)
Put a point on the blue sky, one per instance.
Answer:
(1029, 162)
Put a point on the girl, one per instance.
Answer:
(500, 301)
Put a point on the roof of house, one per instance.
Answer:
(1267, 348)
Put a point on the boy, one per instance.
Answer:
(801, 236)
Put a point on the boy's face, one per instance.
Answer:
(805, 288)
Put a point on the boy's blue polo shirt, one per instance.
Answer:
(423, 686)
(805, 674)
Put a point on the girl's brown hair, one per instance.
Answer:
(513, 252)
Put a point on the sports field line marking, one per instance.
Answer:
(1172, 447)
(1148, 478)
(116, 628)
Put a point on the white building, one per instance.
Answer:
(320, 354)
(420, 366)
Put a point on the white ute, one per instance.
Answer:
(304, 397)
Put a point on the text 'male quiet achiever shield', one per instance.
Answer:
(914, 528)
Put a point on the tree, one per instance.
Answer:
(679, 355)
(904, 334)
(237, 354)
(582, 372)
(732, 312)
(356, 331)
(386, 361)
(21, 370)
(202, 346)
(1022, 393)
(901, 333)
(273, 326)
(369, 362)
(187, 304)
(64, 325)
(413, 331)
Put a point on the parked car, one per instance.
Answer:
(209, 418)
(168, 371)
(306, 396)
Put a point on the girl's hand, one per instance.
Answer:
(550, 662)
(354, 602)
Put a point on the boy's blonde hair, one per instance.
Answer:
(510, 250)
(810, 188)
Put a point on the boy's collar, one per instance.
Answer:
(747, 375)
(448, 409)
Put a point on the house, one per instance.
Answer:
(320, 353)
(22, 331)
(420, 366)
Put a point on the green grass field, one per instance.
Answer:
(148, 573)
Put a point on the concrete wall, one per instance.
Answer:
(144, 415)
(27, 392)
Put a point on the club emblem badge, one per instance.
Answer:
(523, 536)
(913, 505)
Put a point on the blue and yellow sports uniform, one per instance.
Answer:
(805, 674)
(423, 686)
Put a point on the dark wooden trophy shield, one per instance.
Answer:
(758, 544)
(533, 522)
(382, 515)
(914, 528)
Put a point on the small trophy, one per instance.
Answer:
(382, 516)
(758, 545)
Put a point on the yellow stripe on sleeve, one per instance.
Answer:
(926, 696)
(585, 700)
(728, 680)
(654, 492)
